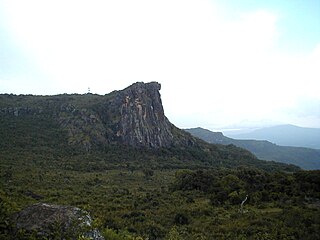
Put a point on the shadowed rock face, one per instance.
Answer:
(53, 220)
(142, 121)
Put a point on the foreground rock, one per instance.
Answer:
(52, 221)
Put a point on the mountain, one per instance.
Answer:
(305, 158)
(89, 131)
(286, 135)
(133, 116)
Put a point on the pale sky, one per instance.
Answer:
(219, 62)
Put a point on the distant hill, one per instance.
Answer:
(89, 131)
(305, 158)
(286, 135)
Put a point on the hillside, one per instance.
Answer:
(286, 135)
(305, 158)
(125, 125)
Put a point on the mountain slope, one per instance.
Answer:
(94, 131)
(305, 158)
(286, 135)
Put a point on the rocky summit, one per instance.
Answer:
(50, 221)
(142, 121)
(133, 116)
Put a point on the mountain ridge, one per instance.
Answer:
(285, 135)
(133, 116)
(127, 124)
(305, 158)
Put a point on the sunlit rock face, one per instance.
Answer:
(135, 117)
(142, 121)
(53, 221)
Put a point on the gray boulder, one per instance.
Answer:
(52, 221)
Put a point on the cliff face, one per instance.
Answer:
(142, 121)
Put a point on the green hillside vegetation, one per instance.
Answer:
(158, 203)
(305, 158)
(178, 192)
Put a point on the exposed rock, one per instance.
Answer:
(142, 121)
(33, 195)
(53, 220)
(18, 111)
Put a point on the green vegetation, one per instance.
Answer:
(130, 201)
(174, 204)
(181, 192)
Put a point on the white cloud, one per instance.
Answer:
(208, 65)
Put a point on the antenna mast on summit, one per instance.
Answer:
(88, 89)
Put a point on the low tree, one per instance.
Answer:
(148, 173)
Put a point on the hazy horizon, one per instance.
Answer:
(220, 63)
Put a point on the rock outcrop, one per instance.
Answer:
(55, 221)
(142, 121)
(133, 116)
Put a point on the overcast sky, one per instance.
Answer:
(220, 62)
